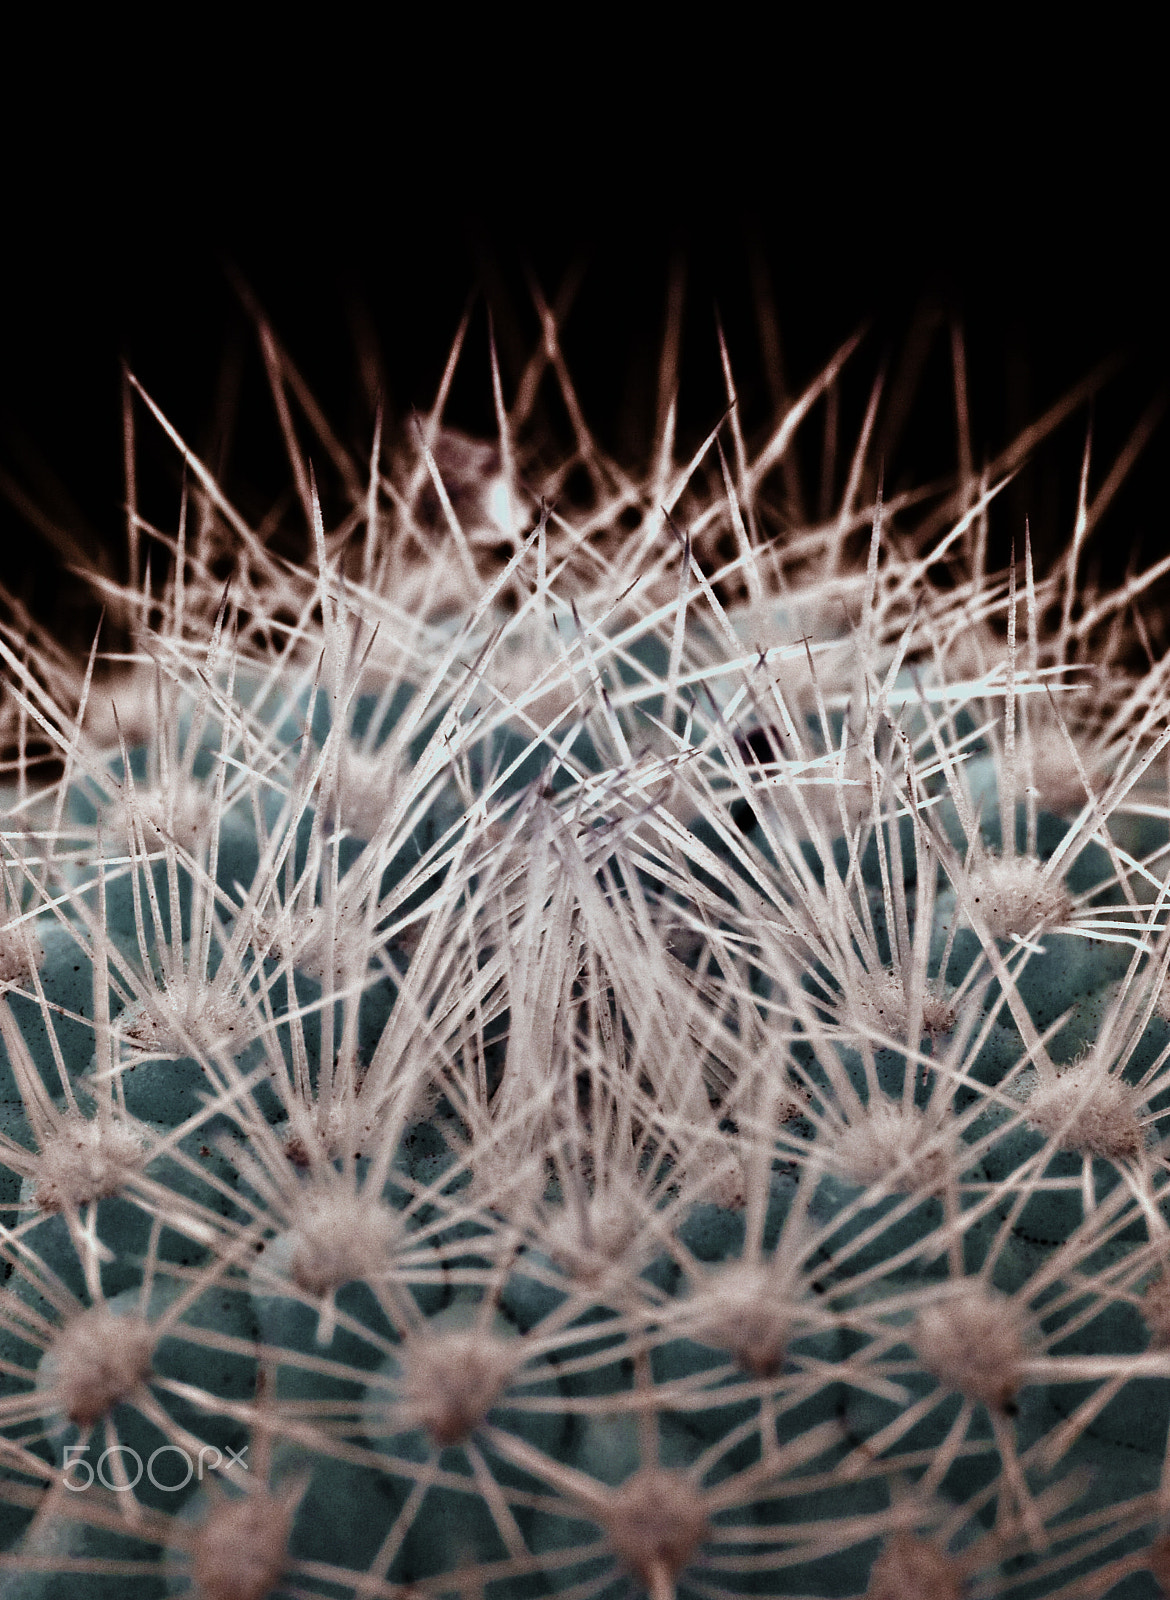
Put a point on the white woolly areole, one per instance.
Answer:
(590, 1243)
(366, 787)
(715, 1173)
(910, 1568)
(506, 1175)
(1015, 895)
(303, 939)
(21, 953)
(893, 1144)
(212, 1022)
(973, 1342)
(655, 1522)
(877, 1001)
(339, 1236)
(241, 1549)
(87, 1159)
(1090, 1110)
(97, 1360)
(452, 1379)
(1156, 1311)
(328, 1133)
(744, 1311)
(181, 812)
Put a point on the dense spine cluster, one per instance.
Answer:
(632, 1065)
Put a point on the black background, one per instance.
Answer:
(366, 191)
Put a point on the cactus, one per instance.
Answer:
(636, 1067)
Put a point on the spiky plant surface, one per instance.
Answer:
(633, 1065)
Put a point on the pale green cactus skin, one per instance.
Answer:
(564, 1089)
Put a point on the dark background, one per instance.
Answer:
(364, 200)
